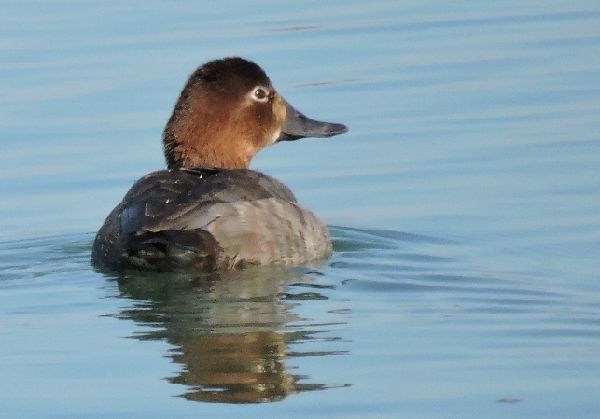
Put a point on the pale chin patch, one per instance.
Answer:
(275, 136)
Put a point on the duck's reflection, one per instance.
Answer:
(229, 330)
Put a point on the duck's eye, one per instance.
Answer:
(261, 94)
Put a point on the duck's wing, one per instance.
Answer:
(178, 220)
(172, 200)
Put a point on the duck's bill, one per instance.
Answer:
(297, 126)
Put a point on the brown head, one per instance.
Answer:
(227, 112)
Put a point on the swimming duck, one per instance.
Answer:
(208, 211)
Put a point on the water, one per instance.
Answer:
(464, 205)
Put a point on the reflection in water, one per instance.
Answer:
(232, 331)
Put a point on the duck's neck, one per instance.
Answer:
(197, 136)
(196, 150)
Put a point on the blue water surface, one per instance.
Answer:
(464, 205)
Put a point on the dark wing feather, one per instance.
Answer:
(145, 228)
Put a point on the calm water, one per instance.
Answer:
(464, 205)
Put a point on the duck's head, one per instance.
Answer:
(229, 111)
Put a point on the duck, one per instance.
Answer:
(207, 210)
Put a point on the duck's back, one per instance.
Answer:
(206, 219)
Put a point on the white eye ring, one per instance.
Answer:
(260, 94)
